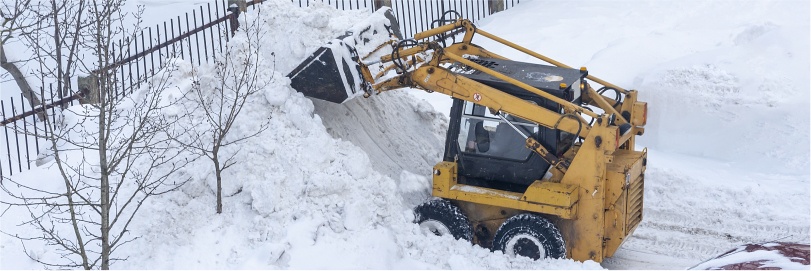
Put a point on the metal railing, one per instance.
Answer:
(416, 15)
(197, 37)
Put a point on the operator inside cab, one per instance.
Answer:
(485, 134)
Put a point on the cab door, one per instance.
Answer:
(492, 154)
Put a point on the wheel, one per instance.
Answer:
(530, 236)
(440, 217)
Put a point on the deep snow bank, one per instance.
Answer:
(303, 199)
(732, 88)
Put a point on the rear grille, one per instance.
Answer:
(635, 195)
(485, 63)
(465, 69)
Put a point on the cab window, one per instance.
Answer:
(483, 133)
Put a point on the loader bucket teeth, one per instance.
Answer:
(331, 73)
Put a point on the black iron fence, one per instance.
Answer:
(197, 36)
(417, 15)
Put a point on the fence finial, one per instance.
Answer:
(241, 4)
(382, 3)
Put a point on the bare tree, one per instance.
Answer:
(13, 21)
(111, 155)
(218, 101)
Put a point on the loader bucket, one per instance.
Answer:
(333, 72)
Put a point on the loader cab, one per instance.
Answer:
(488, 151)
(492, 154)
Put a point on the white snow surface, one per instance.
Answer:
(331, 186)
(728, 124)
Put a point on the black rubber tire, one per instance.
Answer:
(546, 233)
(444, 212)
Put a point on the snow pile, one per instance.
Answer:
(730, 88)
(297, 197)
(746, 98)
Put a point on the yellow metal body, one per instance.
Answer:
(595, 194)
(560, 201)
(598, 201)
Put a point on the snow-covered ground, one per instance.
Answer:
(727, 84)
(331, 186)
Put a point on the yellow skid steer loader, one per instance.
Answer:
(537, 163)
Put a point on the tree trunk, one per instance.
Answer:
(105, 195)
(218, 171)
(19, 78)
(105, 183)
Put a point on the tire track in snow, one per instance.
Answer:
(700, 242)
(742, 233)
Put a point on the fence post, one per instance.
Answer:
(496, 6)
(89, 87)
(382, 3)
(235, 7)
